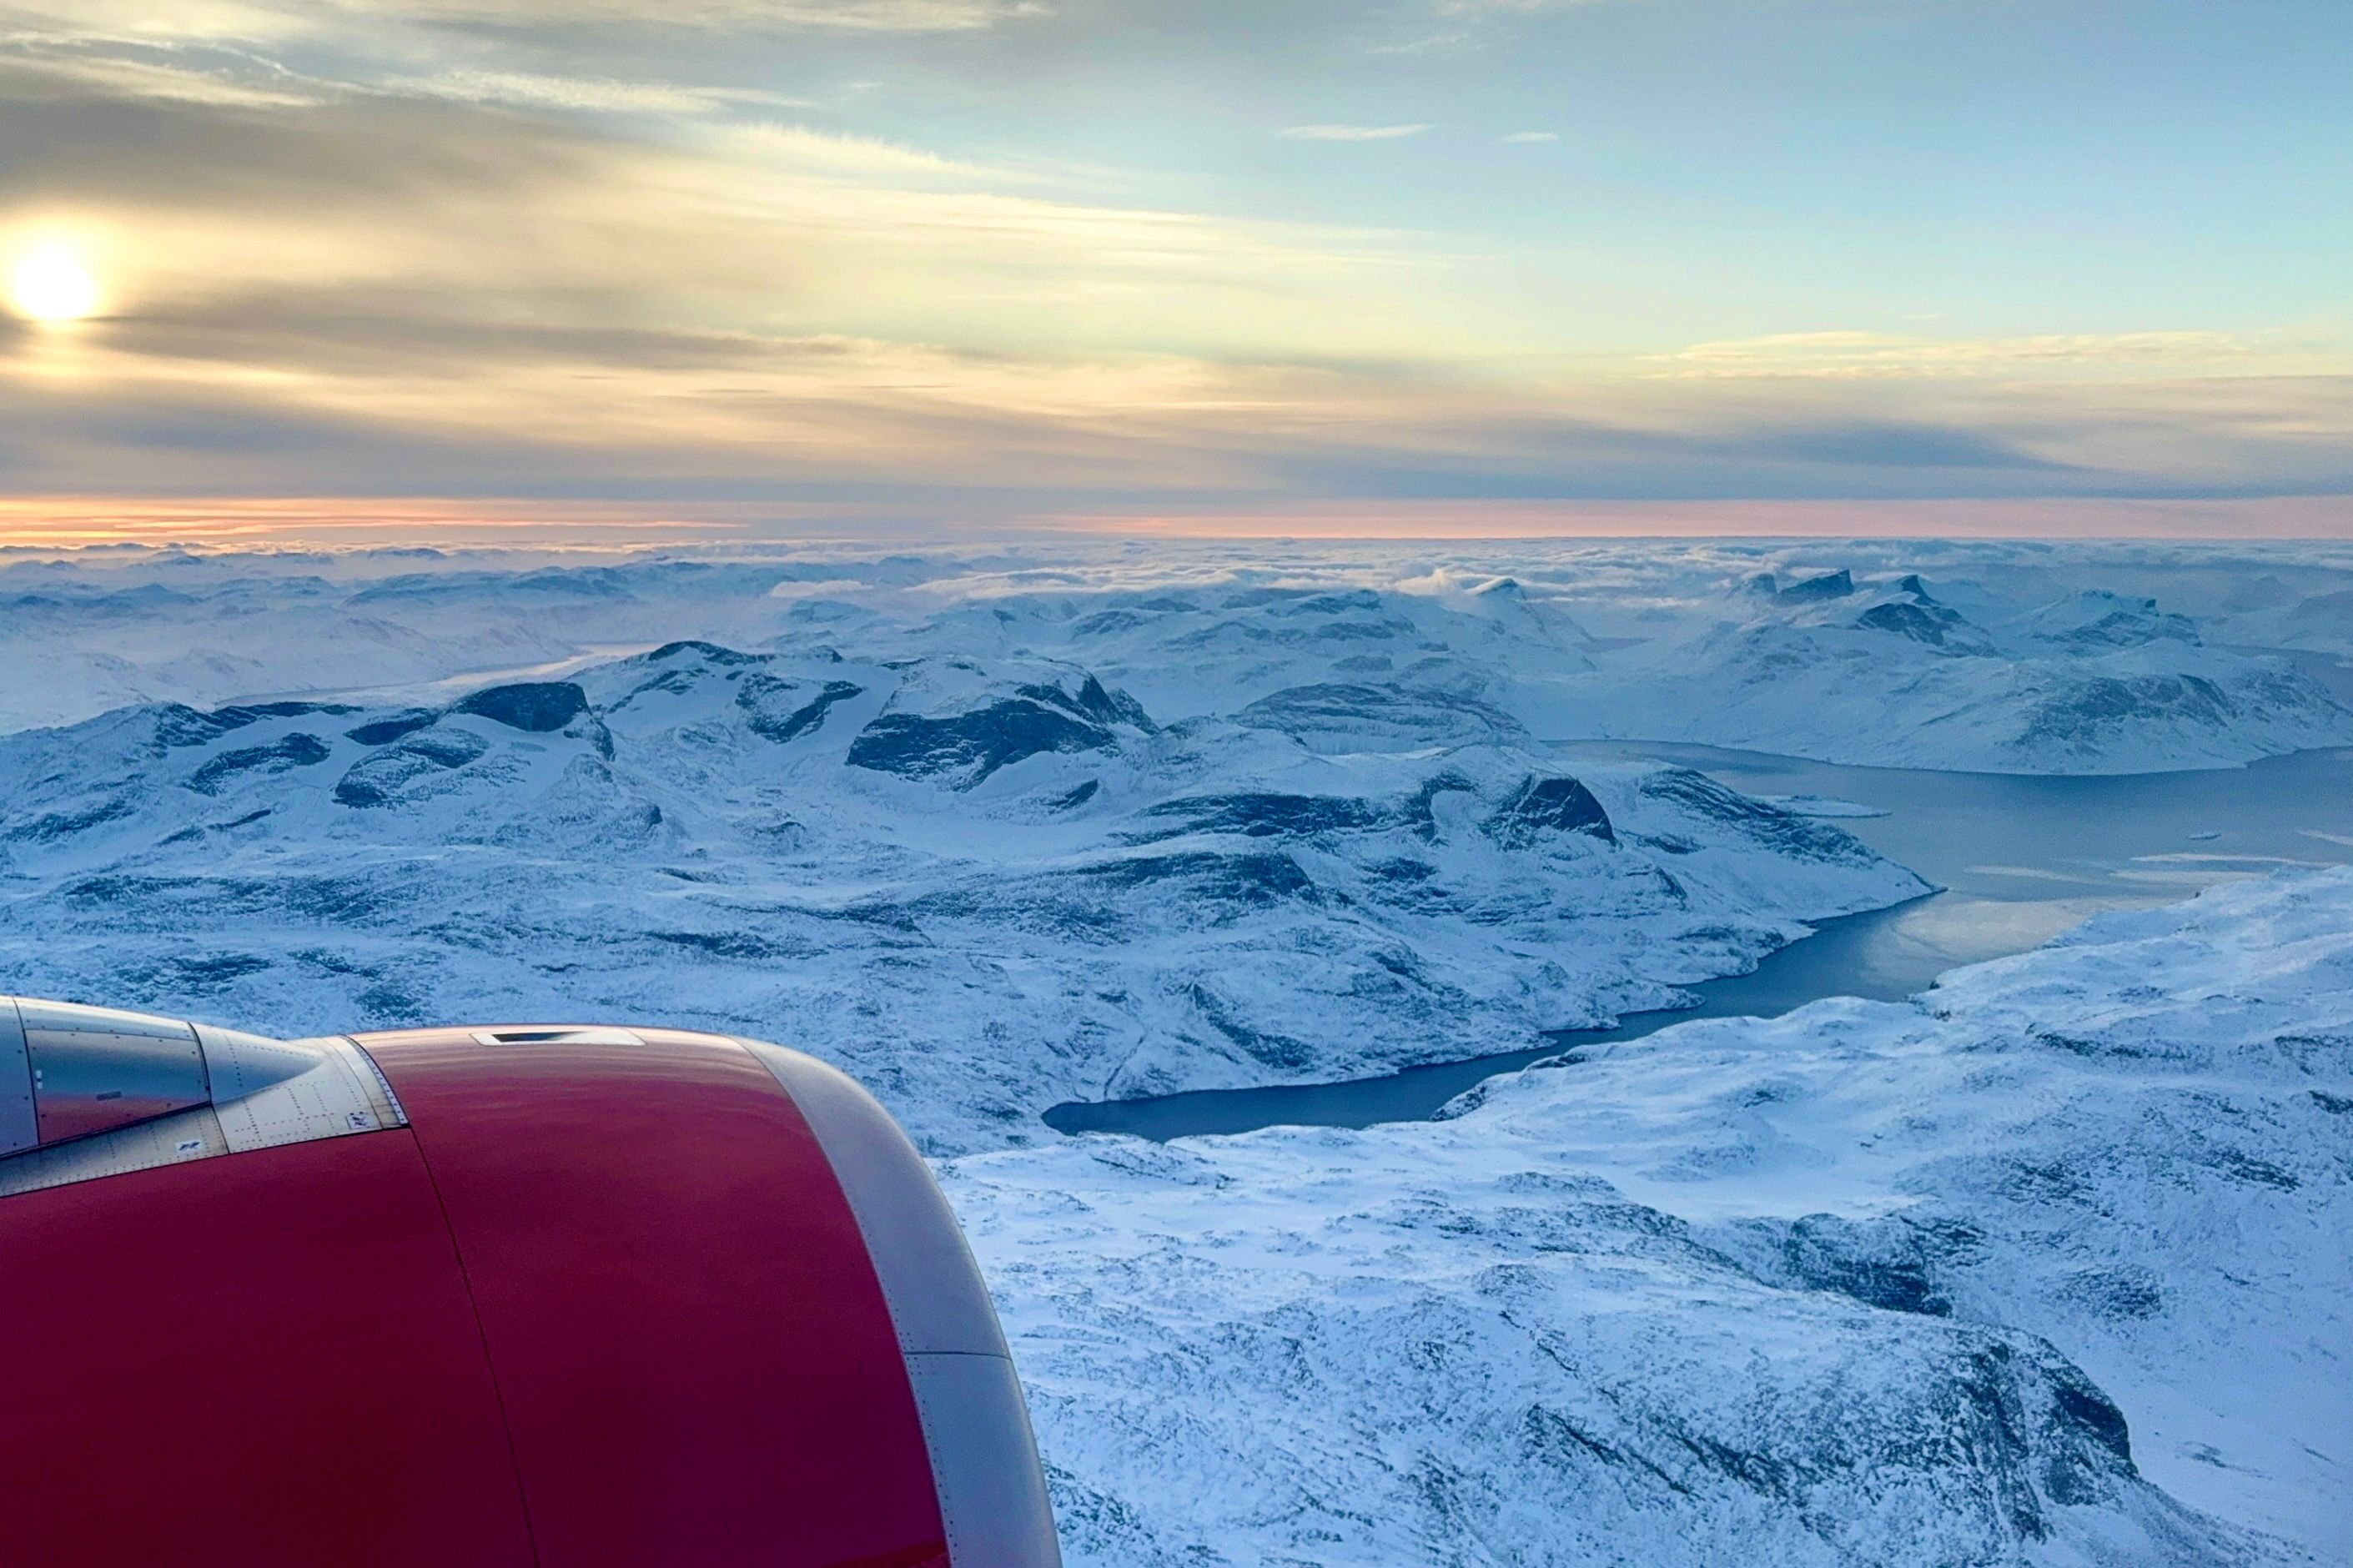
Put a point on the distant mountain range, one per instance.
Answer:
(2022, 659)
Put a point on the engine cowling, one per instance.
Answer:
(553, 1295)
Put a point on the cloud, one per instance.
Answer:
(605, 95)
(837, 152)
(155, 22)
(303, 393)
(838, 15)
(159, 20)
(1353, 133)
(1852, 355)
(1465, 24)
(517, 247)
(216, 75)
(1506, 8)
(477, 295)
(373, 294)
(1451, 41)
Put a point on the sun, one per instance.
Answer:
(52, 285)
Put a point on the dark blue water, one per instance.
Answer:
(2021, 860)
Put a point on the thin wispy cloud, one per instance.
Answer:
(594, 95)
(845, 16)
(1849, 355)
(1354, 133)
(837, 152)
(1448, 42)
(222, 75)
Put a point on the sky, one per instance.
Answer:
(1180, 263)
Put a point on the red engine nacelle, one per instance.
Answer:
(551, 1295)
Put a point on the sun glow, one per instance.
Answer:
(52, 285)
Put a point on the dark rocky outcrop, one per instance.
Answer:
(1930, 624)
(710, 652)
(1380, 715)
(962, 748)
(781, 710)
(378, 779)
(535, 706)
(177, 725)
(973, 744)
(385, 731)
(1836, 584)
(1759, 822)
(1549, 805)
(2098, 706)
(298, 750)
(1261, 815)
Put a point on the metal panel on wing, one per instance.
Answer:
(18, 1129)
(95, 1069)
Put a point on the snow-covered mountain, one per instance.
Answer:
(1894, 673)
(2044, 1267)
(1906, 674)
(2018, 658)
(983, 886)
(2048, 1266)
(1357, 666)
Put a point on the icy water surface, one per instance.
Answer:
(2020, 859)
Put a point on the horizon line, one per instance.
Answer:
(28, 523)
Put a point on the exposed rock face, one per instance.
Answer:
(1335, 716)
(1814, 590)
(968, 747)
(1550, 805)
(1261, 816)
(388, 770)
(783, 711)
(956, 724)
(1922, 623)
(298, 750)
(534, 708)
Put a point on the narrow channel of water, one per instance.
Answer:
(2021, 858)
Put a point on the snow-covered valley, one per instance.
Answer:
(2045, 1266)
(2022, 1271)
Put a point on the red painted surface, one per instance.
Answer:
(262, 1360)
(695, 1359)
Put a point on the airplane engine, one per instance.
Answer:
(494, 1296)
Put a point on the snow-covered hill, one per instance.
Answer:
(2017, 657)
(983, 886)
(2048, 1266)
(1906, 674)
